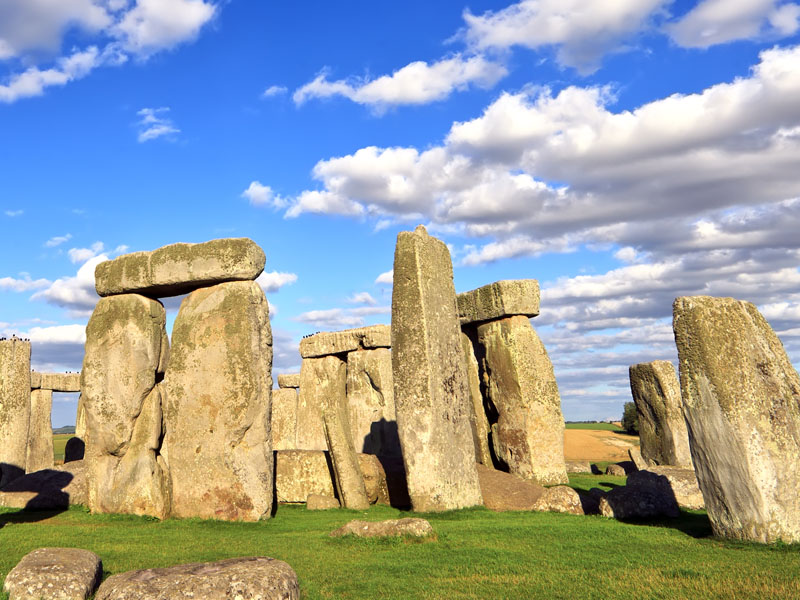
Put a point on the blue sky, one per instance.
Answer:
(621, 153)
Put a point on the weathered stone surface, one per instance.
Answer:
(413, 527)
(80, 419)
(349, 340)
(646, 495)
(636, 458)
(503, 491)
(741, 400)
(431, 390)
(336, 425)
(284, 419)
(251, 578)
(578, 466)
(40, 432)
(218, 386)
(180, 268)
(317, 502)
(683, 483)
(615, 470)
(370, 399)
(48, 489)
(522, 388)
(54, 573)
(320, 377)
(57, 382)
(498, 300)
(560, 498)
(126, 353)
(662, 428)
(15, 407)
(300, 473)
(375, 481)
(289, 380)
(75, 448)
(477, 418)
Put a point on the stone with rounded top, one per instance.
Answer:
(180, 268)
(500, 299)
(741, 401)
(15, 407)
(59, 573)
(347, 340)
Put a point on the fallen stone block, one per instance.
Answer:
(647, 496)
(57, 573)
(289, 380)
(636, 458)
(683, 483)
(498, 300)
(615, 470)
(578, 466)
(503, 491)
(180, 268)
(349, 340)
(560, 498)
(413, 527)
(251, 578)
(317, 502)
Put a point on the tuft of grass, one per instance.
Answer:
(595, 426)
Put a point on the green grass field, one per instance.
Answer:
(596, 426)
(59, 441)
(478, 553)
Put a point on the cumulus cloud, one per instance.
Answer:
(81, 255)
(386, 278)
(332, 318)
(362, 298)
(57, 240)
(263, 195)
(22, 284)
(76, 294)
(416, 83)
(33, 81)
(274, 90)
(273, 281)
(154, 123)
(57, 348)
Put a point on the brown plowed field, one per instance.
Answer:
(597, 445)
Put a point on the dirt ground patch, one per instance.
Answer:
(597, 445)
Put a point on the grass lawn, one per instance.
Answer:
(478, 553)
(596, 426)
(59, 441)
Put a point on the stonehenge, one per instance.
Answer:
(15, 407)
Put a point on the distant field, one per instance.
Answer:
(59, 441)
(597, 426)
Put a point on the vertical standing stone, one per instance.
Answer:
(662, 429)
(430, 380)
(80, 419)
(315, 384)
(40, 432)
(478, 420)
(15, 407)
(741, 400)
(284, 419)
(75, 448)
(523, 389)
(335, 422)
(218, 442)
(126, 354)
(370, 398)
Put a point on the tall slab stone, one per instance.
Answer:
(663, 439)
(431, 391)
(741, 400)
(522, 388)
(284, 419)
(15, 407)
(40, 432)
(319, 378)
(126, 354)
(218, 388)
(370, 399)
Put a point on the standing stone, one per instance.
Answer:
(370, 397)
(80, 419)
(75, 448)
(126, 354)
(284, 419)
(317, 382)
(662, 428)
(218, 440)
(15, 407)
(335, 422)
(40, 432)
(523, 389)
(478, 420)
(300, 473)
(430, 380)
(741, 400)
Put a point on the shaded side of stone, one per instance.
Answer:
(218, 386)
(683, 483)
(348, 340)
(499, 300)
(40, 432)
(300, 473)
(478, 420)
(284, 419)
(15, 407)
(126, 354)
(431, 390)
(61, 573)
(646, 495)
(741, 401)
(529, 433)
(370, 399)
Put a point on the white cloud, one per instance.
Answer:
(77, 294)
(386, 278)
(155, 124)
(57, 348)
(81, 255)
(274, 90)
(362, 298)
(23, 284)
(273, 281)
(581, 32)
(416, 83)
(57, 240)
(714, 22)
(261, 195)
(14, 213)
(34, 81)
(332, 318)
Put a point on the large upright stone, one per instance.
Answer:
(284, 419)
(523, 389)
(15, 407)
(40, 432)
(348, 340)
(180, 268)
(478, 420)
(741, 399)
(662, 428)
(430, 379)
(126, 354)
(370, 398)
(218, 442)
(498, 300)
(319, 378)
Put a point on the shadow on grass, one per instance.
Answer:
(25, 515)
(693, 524)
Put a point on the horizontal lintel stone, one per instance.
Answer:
(57, 382)
(349, 340)
(498, 300)
(180, 268)
(289, 380)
